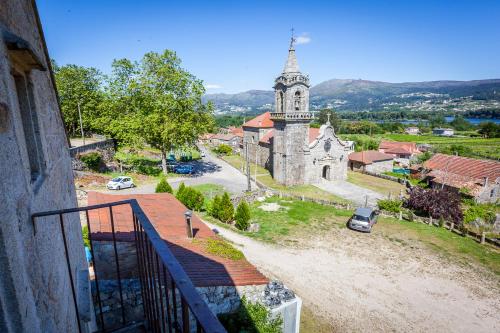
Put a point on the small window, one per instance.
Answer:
(31, 128)
(297, 101)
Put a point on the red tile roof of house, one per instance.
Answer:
(369, 156)
(238, 131)
(166, 214)
(397, 150)
(223, 137)
(261, 121)
(469, 169)
(411, 147)
(267, 137)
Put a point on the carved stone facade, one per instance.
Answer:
(283, 142)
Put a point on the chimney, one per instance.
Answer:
(486, 183)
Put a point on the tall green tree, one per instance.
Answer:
(78, 86)
(156, 102)
(334, 118)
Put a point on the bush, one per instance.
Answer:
(483, 211)
(226, 209)
(180, 190)
(190, 197)
(242, 216)
(436, 203)
(223, 249)
(85, 236)
(92, 160)
(390, 205)
(251, 318)
(139, 164)
(214, 207)
(163, 187)
(224, 149)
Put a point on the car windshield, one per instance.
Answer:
(361, 218)
(116, 179)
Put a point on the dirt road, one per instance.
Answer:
(368, 283)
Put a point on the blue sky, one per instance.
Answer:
(235, 46)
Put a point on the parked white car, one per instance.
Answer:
(120, 182)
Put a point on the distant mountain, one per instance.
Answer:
(356, 95)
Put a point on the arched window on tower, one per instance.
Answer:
(281, 109)
(297, 101)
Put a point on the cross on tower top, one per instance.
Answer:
(328, 116)
(292, 41)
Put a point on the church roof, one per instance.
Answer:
(291, 66)
(261, 121)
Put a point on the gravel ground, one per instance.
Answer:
(362, 283)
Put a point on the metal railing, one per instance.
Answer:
(170, 301)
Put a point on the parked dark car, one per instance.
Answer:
(184, 169)
(363, 219)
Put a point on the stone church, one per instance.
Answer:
(285, 144)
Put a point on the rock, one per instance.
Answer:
(254, 227)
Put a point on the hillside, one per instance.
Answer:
(356, 95)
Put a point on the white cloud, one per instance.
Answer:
(303, 39)
(212, 86)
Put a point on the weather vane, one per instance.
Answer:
(293, 37)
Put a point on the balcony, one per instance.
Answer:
(166, 296)
(292, 115)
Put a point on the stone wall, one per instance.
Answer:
(35, 292)
(379, 167)
(104, 256)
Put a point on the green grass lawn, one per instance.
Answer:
(264, 176)
(376, 184)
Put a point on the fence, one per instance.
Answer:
(480, 237)
(110, 143)
(170, 301)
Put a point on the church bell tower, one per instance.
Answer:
(291, 122)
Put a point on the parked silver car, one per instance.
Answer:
(363, 219)
(120, 182)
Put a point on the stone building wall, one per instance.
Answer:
(379, 166)
(35, 293)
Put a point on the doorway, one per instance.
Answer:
(326, 172)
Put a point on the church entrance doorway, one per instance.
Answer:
(326, 172)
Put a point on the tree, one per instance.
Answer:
(489, 129)
(226, 209)
(164, 187)
(156, 102)
(78, 85)
(180, 191)
(459, 123)
(334, 119)
(215, 207)
(242, 215)
(436, 203)
(191, 198)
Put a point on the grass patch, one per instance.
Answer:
(220, 248)
(376, 184)
(312, 323)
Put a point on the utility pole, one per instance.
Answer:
(81, 123)
(249, 185)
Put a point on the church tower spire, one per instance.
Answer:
(291, 66)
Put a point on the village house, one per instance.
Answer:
(401, 151)
(477, 178)
(443, 131)
(283, 142)
(371, 161)
(412, 130)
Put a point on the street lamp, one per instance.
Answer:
(189, 228)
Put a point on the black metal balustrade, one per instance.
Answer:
(170, 301)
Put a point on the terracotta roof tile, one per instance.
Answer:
(313, 134)
(166, 214)
(409, 146)
(261, 121)
(369, 156)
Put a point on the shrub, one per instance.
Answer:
(163, 187)
(390, 205)
(139, 164)
(482, 211)
(180, 190)
(224, 149)
(92, 160)
(214, 207)
(436, 203)
(242, 216)
(251, 318)
(410, 216)
(226, 209)
(223, 249)
(85, 236)
(191, 198)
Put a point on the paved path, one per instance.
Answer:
(351, 192)
(208, 170)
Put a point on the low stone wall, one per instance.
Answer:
(106, 144)
(226, 299)
(104, 256)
